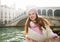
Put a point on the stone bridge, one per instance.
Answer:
(50, 13)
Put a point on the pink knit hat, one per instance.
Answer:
(32, 9)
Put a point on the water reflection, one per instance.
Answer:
(11, 35)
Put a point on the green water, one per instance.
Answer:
(12, 34)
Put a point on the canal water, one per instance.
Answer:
(12, 34)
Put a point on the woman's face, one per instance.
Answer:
(32, 15)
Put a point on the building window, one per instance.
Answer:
(44, 12)
(57, 13)
(49, 12)
(5, 14)
(5, 21)
(39, 11)
(9, 16)
(1, 14)
(9, 21)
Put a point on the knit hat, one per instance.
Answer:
(32, 9)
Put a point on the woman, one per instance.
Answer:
(37, 28)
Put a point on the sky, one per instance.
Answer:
(23, 4)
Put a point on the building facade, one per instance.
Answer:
(7, 14)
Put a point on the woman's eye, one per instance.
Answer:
(33, 13)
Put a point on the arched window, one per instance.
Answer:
(44, 12)
(39, 11)
(5, 21)
(57, 13)
(49, 12)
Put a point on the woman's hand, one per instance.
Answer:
(55, 36)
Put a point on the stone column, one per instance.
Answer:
(46, 12)
(41, 12)
(53, 13)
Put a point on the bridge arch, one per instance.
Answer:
(57, 13)
(44, 12)
(39, 11)
(50, 12)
